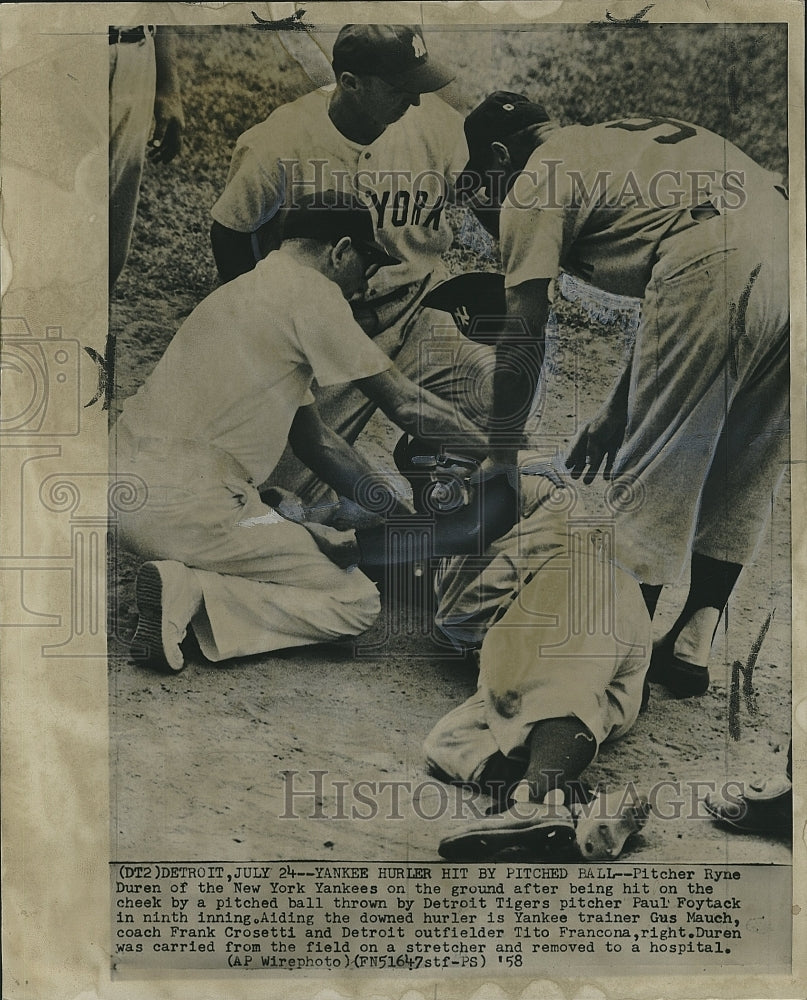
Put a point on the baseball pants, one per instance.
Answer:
(132, 83)
(265, 586)
(566, 634)
(429, 349)
(707, 437)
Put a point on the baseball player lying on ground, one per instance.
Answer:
(565, 645)
(695, 432)
(211, 421)
(382, 134)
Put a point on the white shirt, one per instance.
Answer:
(243, 362)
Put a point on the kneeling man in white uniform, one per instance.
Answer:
(210, 423)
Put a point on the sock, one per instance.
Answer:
(711, 584)
(694, 642)
(560, 750)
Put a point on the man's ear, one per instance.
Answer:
(501, 156)
(339, 249)
(348, 81)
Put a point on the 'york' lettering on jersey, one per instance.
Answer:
(405, 208)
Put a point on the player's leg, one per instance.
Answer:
(680, 660)
(558, 810)
(676, 408)
(747, 467)
(295, 596)
(132, 80)
(551, 693)
(245, 588)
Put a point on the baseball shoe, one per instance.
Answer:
(168, 596)
(602, 827)
(527, 829)
(766, 807)
(682, 679)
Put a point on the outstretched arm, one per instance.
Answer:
(519, 359)
(335, 462)
(602, 437)
(420, 413)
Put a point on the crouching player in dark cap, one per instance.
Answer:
(695, 432)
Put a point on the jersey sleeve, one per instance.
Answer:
(458, 154)
(335, 346)
(531, 228)
(254, 191)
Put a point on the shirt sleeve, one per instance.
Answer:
(454, 155)
(336, 347)
(254, 191)
(458, 152)
(531, 229)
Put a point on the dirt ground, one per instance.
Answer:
(197, 758)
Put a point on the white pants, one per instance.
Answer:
(707, 439)
(132, 82)
(265, 586)
(566, 634)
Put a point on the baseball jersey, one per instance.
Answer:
(599, 200)
(403, 176)
(288, 324)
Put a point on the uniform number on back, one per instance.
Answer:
(682, 130)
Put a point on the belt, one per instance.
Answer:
(123, 35)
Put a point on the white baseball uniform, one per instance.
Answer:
(404, 178)
(564, 632)
(669, 211)
(210, 423)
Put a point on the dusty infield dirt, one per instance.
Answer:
(196, 758)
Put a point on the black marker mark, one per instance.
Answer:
(104, 378)
(747, 671)
(637, 20)
(293, 23)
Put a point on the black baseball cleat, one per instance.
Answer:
(682, 679)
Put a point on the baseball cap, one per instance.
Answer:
(330, 215)
(394, 52)
(499, 116)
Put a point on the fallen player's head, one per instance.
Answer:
(384, 68)
(342, 229)
(502, 133)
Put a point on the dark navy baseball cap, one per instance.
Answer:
(394, 52)
(330, 215)
(499, 116)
